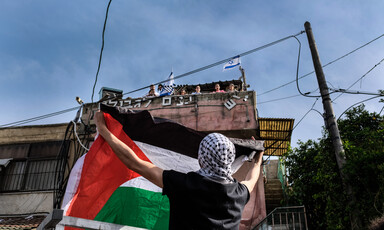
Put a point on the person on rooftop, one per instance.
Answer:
(231, 88)
(217, 89)
(159, 88)
(152, 91)
(209, 198)
(197, 90)
(183, 92)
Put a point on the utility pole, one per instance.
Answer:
(330, 120)
(244, 86)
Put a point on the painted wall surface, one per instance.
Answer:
(255, 210)
(204, 112)
(29, 134)
(29, 202)
(23, 203)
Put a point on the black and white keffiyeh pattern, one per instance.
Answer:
(216, 155)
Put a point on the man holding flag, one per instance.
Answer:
(206, 199)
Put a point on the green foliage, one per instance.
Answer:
(315, 178)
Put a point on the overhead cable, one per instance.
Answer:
(16, 123)
(360, 78)
(278, 99)
(286, 138)
(357, 104)
(381, 110)
(176, 77)
(329, 63)
(101, 51)
(297, 73)
(355, 92)
(77, 137)
(222, 61)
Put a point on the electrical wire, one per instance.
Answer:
(220, 62)
(297, 73)
(197, 70)
(354, 92)
(278, 99)
(381, 110)
(306, 114)
(329, 63)
(357, 104)
(62, 162)
(62, 166)
(101, 51)
(286, 138)
(283, 98)
(267, 160)
(360, 78)
(77, 137)
(177, 77)
(21, 122)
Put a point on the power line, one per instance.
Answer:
(297, 73)
(222, 61)
(306, 114)
(101, 51)
(329, 63)
(278, 99)
(355, 92)
(357, 104)
(16, 123)
(360, 78)
(177, 77)
(381, 110)
(189, 73)
(283, 98)
(286, 138)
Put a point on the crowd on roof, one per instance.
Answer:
(169, 90)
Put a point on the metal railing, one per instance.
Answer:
(56, 220)
(284, 218)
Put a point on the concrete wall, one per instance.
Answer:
(233, 114)
(273, 188)
(29, 134)
(271, 169)
(255, 210)
(29, 202)
(23, 203)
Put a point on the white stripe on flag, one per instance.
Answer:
(171, 81)
(73, 183)
(167, 159)
(235, 61)
(142, 183)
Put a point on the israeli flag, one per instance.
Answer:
(168, 87)
(171, 81)
(166, 91)
(235, 61)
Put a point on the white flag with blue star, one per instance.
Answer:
(168, 87)
(171, 81)
(235, 61)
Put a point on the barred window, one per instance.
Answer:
(32, 169)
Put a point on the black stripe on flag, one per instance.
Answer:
(164, 133)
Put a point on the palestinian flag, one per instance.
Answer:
(102, 188)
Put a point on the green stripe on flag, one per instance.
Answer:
(136, 207)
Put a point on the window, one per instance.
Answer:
(33, 167)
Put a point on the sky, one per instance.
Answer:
(49, 52)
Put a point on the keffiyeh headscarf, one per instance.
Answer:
(216, 155)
